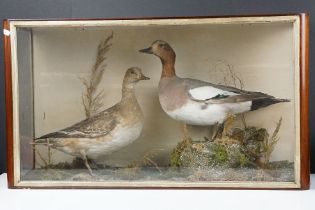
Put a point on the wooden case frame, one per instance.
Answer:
(14, 182)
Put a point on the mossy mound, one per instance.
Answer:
(237, 147)
(211, 154)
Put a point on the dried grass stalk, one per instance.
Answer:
(230, 78)
(41, 158)
(50, 153)
(147, 160)
(270, 143)
(91, 99)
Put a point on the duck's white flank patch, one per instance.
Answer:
(195, 113)
(207, 92)
(120, 137)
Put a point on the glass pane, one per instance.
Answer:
(191, 131)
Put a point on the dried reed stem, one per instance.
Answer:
(91, 100)
(270, 143)
(148, 156)
(147, 160)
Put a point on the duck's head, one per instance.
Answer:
(134, 75)
(161, 49)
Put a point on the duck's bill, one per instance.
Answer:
(144, 77)
(147, 50)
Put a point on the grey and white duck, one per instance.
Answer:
(105, 132)
(197, 102)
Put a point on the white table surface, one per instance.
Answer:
(26, 199)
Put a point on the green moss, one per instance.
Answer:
(220, 156)
(175, 158)
(243, 160)
(235, 148)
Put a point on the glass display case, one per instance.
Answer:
(198, 102)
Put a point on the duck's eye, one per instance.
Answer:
(133, 72)
(161, 45)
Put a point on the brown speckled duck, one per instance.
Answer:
(105, 132)
(197, 102)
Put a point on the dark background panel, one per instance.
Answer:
(24, 9)
(152, 8)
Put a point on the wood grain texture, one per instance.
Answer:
(304, 101)
(8, 104)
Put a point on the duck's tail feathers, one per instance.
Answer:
(264, 102)
(40, 141)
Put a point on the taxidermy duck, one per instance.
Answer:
(105, 132)
(197, 102)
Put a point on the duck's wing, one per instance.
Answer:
(217, 94)
(95, 126)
